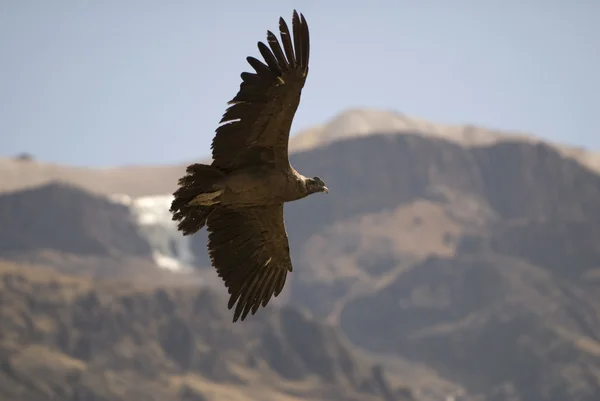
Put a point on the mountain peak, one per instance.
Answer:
(358, 122)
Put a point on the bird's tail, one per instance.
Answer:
(193, 201)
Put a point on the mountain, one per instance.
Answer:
(480, 262)
(64, 218)
(487, 321)
(419, 196)
(463, 254)
(135, 181)
(24, 171)
(74, 339)
(78, 232)
(355, 123)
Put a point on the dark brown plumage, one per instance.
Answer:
(240, 196)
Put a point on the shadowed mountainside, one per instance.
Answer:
(72, 230)
(67, 219)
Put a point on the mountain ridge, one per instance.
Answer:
(143, 180)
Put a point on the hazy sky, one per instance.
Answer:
(126, 82)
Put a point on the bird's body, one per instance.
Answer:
(240, 196)
(263, 184)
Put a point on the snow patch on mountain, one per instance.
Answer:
(171, 250)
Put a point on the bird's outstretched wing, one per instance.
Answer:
(250, 250)
(257, 124)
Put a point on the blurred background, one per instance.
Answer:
(456, 257)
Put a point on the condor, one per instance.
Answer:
(240, 196)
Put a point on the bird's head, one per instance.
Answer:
(315, 184)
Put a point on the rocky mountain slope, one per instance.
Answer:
(491, 322)
(479, 260)
(73, 339)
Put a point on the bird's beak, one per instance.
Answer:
(326, 190)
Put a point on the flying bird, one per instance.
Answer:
(240, 195)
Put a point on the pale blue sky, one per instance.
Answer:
(126, 82)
